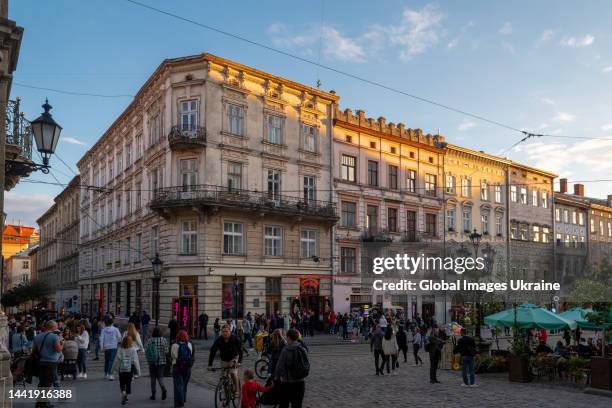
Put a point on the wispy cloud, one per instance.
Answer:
(595, 155)
(411, 34)
(452, 43)
(463, 126)
(509, 47)
(577, 42)
(73, 140)
(335, 45)
(565, 117)
(547, 101)
(506, 29)
(545, 37)
(26, 208)
(467, 26)
(417, 31)
(607, 69)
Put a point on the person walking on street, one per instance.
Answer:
(376, 347)
(390, 350)
(417, 341)
(247, 328)
(126, 362)
(109, 339)
(466, 347)
(203, 323)
(174, 328)
(292, 369)
(434, 348)
(230, 351)
(155, 353)
(48, 347)
(182, 353)
(216, 329)
(277, 344)
(96, 330)
(135, 319)
(144, 326)
(402, 341)
(82, 340)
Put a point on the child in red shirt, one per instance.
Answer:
(250, 388)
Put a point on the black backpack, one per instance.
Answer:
(300, 366)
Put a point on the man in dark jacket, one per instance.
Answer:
(174, 328)
(289, 373)
(466, 347)
(376, 347)
(203, 323)
(434, 348)
(230, 351)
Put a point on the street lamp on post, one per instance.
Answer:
(157, 265)
(46, 134)
(475, 238)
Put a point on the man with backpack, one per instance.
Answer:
(182, 360)
(466, 347)
(230, 351)
(291, 370)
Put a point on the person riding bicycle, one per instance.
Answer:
(230, 351)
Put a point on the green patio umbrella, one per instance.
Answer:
(530, 316)
(578, 314)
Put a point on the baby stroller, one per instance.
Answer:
(66, 368)
(18, 370)
(270, 398)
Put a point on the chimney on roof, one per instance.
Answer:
(579, 190)
(609, 200)
(563, 185)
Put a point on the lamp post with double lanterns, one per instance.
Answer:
(157, 265)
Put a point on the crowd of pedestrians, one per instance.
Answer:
(61, 347)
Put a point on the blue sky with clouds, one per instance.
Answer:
(543, 66)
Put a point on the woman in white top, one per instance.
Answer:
(390, 349)
(133, 333)
(82, 340)
(127, 363)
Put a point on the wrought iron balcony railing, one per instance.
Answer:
(18, 130)
(187, 136)
(210, 195)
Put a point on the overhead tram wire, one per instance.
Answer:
(74, 93)
(67, 166)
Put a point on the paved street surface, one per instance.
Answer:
(342, 375)
(96, 392)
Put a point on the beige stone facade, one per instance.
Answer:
(222, 170)
(388, 186)
(531, 251)
(58, 254)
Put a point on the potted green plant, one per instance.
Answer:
(518, 361)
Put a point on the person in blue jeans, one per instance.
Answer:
(466, 347)
(110, 337)
(182, 361)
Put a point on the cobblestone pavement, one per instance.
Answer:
(343, 375)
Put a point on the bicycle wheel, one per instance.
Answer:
(221, 400)
(262, 368)
(230, 394)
